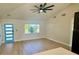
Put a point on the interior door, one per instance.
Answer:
(9, 33)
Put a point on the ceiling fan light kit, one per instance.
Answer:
(41, 11)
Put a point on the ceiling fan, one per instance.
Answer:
(42, 8)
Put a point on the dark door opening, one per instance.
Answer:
(75, 43)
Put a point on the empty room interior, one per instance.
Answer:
(39, 28)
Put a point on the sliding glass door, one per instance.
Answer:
(9, 33)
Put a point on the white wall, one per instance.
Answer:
(19, 27)
(60, 28)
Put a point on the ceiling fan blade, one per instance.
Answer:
(49, 6)
(36, 6)
(44, 11)
(40, 5)
(44, 4)
(36, 11)
(48, 9)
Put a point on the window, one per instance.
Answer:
(32, 28)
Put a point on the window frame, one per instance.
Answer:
(31, 32)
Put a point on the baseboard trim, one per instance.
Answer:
(23, 39)
(58, 42)
(28, 39)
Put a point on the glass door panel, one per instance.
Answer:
(9, 33)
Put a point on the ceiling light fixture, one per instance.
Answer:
(41, 11)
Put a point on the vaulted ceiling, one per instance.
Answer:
(23, 10)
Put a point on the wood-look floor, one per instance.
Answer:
(29, 47)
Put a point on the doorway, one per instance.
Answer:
(9, 33)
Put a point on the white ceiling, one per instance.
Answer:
(5, 8)
(23, 10)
